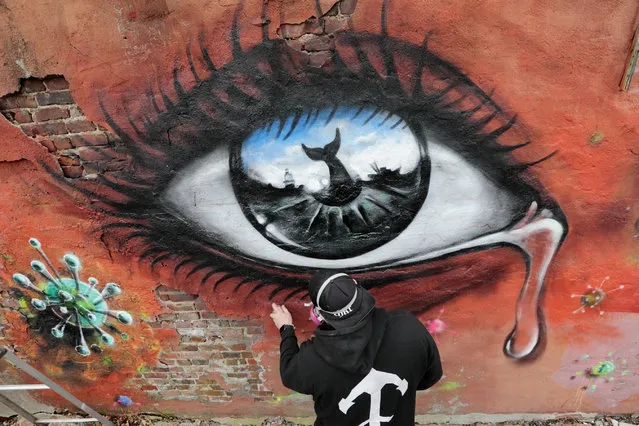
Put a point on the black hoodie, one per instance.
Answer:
(364, 375)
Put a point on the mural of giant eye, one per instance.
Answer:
(265, 180)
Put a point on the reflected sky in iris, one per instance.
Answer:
(366, 139)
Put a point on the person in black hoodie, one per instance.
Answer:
(363, 365)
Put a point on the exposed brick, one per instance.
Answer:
(56, 83)
(295, 44)
(44, 129)
(215, 392)
(90, 154)
(169, 355)
(19, 116)
(48, 144)
(334, 24)
(116, 165)
(76, 111)
(257, 330)
(89, 139)
(213, 348)
(181, 297)
(32, 85)
(319, 43)
(347, 7)
(233, 333)
(159, 367)
(51, 113)
(73, 171)
(68, 161)
(310, 26)
(54, 98)
(195, 339)
(18, 101)
(207, 346)
(61, 143)
(166, 317)
(181, 306)
(185, 381)
(198, 332)
(188, 348)
(80, 126)
(188, 316)
(156, 375)
(318, 59)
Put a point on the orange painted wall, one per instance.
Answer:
(556, 66)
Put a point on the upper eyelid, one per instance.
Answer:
(448, 98)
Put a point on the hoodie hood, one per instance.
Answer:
(353, 349)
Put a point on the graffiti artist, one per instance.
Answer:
(357, 349)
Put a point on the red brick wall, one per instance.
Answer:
(45, 111)
(213, 360)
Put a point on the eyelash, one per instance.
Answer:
(130, 197)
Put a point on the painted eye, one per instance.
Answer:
(346, 188)
(269, 167)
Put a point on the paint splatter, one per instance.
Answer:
(596, 137)
(437, 326)
(606, 370)
(593, 297)
(124, 401)
(81, 308)
(449, 386)
(603, 368)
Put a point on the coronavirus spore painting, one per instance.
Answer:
(247, 164)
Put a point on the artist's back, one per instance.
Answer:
(368, 374)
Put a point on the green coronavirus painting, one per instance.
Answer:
(79, 310)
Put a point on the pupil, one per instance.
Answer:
(335, 186)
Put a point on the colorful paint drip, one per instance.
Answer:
(78, 305)
(593, 297)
